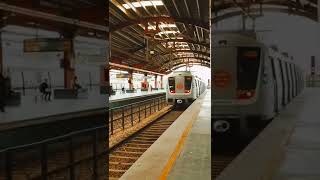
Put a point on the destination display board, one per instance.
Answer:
(222, 79)
(122, 75)
(45, 45)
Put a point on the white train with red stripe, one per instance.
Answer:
(252, 83)
(183, 87)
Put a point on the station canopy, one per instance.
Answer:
(68, 17)
(159, 35)
(223, 9)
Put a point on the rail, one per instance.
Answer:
(135, 109)
(117, 115)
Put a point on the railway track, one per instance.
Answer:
(61, 161)
(219, 163)
(225, 152)
(123, 156)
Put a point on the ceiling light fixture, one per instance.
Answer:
(142, 3)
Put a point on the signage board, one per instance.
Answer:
(45, 45)
(122, 75)
(222, 79)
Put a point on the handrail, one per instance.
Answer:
(42, 145)
(127, 105)
(74, 133)
(49, 140)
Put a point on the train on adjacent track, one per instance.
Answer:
(252, 83)
(183, 87)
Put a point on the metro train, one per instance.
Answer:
(183, 87)
(252, 83)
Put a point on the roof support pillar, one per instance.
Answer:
(155, 81)
(68, 59)
(2, 24)
(130, 79)
(318, 8)
(1, 53)
(161, 82)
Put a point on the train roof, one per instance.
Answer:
(184, 73)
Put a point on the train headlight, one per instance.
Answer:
(221, 126)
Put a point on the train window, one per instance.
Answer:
(187, 83)
(172, 84)
(248, 67)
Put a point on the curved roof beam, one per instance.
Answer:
(281, 10)
(166, 19)
(194, 58)
(178, 65)
(187, 51)
(207, 45)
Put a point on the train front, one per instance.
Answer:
(237, 62)
(179, 90)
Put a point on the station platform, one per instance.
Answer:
(183, 151)
(40, 117)
(287, 149)
(125, 98)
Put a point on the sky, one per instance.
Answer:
(298, 36)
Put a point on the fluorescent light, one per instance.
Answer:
(168, 32)
(174, 38)
(142, 3)
(167, 25)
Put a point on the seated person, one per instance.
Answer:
(76, 85)
(44, 89)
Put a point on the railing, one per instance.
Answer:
(133, 112)
(42, 147)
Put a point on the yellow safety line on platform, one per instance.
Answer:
(176, 151)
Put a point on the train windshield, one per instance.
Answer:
(248, 67)
(172, 84)
(187, 82)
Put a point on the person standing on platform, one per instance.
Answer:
(44, 89)
(2, 93)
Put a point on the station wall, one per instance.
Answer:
(90, 54)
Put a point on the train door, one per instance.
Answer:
(247, 72)
(275, 85)
(188, 84)
(279, 82)
(294, 80)
(197, 88)
(284, 82)
(172, 84)
(289, 80)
